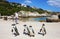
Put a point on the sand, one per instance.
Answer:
(53, 30)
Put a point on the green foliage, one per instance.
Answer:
(3, 0)
(7, 9)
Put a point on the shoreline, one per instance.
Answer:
(34, 17)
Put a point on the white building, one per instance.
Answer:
(23, 5)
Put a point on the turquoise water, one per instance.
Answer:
(38, 19)
(34, 19)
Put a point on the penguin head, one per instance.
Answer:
(24, 25)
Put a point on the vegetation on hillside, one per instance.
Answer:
(7, 8)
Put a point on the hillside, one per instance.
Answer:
(8, 8)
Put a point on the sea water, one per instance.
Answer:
(35, 19)
(39, 19)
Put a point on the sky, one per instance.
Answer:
(49, 5)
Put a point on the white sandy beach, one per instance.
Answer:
(53, 30)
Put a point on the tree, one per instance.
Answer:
(2, 0)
